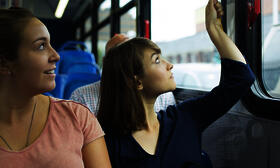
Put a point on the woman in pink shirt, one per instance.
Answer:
(36, 130)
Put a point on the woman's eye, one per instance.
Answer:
(42, 46)
(157, 60)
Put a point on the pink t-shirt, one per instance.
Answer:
(69, 127)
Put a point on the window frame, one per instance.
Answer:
(257, 101)
(143, 14)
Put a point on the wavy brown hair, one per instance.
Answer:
(121, 108)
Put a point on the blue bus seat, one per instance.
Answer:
(67, 83)
(83, 68)
(70, 54)
(76, 80)
(60, 82)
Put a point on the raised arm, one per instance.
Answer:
(223, 43)
(237, 75)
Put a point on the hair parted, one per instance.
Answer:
(121, 109)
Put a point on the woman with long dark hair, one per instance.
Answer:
(134, 74)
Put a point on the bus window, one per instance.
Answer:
(270, 44)
(178, 29)
(104, 10)
(88, 25)
(103, 37)
(128, 23)
(124, 2)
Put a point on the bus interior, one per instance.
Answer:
(247, 135)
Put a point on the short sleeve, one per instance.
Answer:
(89, 124)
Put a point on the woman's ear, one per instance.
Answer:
(139, 83)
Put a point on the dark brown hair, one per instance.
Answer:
(12, 24)
(121, 108)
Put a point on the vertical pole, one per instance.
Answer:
(144, 18)
(115, 19)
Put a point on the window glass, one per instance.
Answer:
(104, 10)
(128, 23)
(178, 29)
(103, 37)
(271, 49)
(87, 24)
(123, 2)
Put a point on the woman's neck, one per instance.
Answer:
(148, 138)
(151, 116)
(13, 106)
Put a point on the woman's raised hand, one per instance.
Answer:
(213, 13)
(226, 47)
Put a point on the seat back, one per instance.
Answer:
(74, 60)
(83, 67)
(60, 82)
(71, 53)
(76, 80)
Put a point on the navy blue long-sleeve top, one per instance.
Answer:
(181, 125)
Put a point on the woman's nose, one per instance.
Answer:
(169, 65)
(54, 56)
